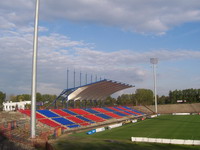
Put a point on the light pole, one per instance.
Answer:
(154, 61)
(34, 73)
(67, 78)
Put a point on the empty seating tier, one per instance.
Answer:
(91, 111)
(85, 124)
(75, 119)
(113, 115)
(131, 110)
(94, 118)
(121, 111)
(116, 112)
(79, 111)
(47, 113)
(28, 112)
(104, 116)
(85, 119)
(60, 112)
(73, 126)
(63, 121)
(100, 110)
(49, 122)
(69, 112)
(107, 113)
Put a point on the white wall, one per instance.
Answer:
(165, 141)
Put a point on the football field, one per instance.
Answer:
(165, 126)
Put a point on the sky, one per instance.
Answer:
(110, 39)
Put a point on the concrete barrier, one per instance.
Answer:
(114, 125)
(152, 140)
(180, 113)
(134, 121)
(165, 141)
(195, 142)
(188, 142)
(153, 116)
(177, 141)
(100, 129)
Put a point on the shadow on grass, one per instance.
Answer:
(94, 144)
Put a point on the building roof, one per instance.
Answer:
(99, 90)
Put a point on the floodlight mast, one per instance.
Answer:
(154, 61)
(34, 73)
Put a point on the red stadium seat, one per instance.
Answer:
(94, 118)
(49, 122)
(80, 111)
(60, 112)
(75, 119)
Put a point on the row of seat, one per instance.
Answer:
(72, 118)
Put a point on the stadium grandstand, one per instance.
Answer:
(53, 121)
(56, 121)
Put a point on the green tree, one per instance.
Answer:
(38, 97)
(144, 96)
(163, 100)
(27, 97)
(125, 99)
(110, 101)
(13, 98)
(20, 98)
(2, 97)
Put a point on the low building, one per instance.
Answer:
(11, 106)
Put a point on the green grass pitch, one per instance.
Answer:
(165, 126)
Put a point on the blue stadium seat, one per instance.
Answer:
(119, 108)
(111, 110)
(137, 111)
(63, 121)
(120, 114)
(85, 119)
(91, 111)
(125, 111)
(132, 109)
(47, 113)
(69, 112)
(74, 126)
(104, 116)
(130, 113)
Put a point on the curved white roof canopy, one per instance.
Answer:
(99, 90)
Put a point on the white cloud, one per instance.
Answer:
(152, 16)
(142, 16)
(58, 52)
